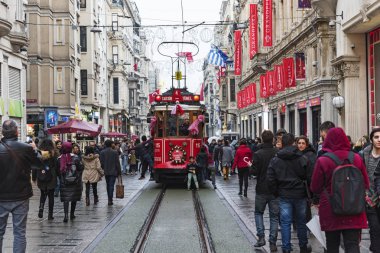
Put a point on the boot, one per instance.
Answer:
(260, 242)
(66, 211)
(245, 192)
(96, 199)
(273, 247)
(51, 205)
(41, 210)
(50, 216)
(72, 211)
(110, 202)
(87, 201)
(305, 249)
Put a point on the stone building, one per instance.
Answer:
(13, 63)
(299, 109)
(53, 89)
(357, 24)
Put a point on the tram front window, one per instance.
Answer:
(160, 124)
(183, 124)
(172, 125)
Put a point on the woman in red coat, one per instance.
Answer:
(243, 155)
(335, 225)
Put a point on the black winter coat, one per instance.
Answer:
(15, 168)
(202, 160)
(110, 162)
(51, 162)
(72, 192)
(261, 159)
(286, 173)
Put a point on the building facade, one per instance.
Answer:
(302, 34)
(13, 64)
(53, 87)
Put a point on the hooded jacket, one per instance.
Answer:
(261, 159)
(286, 173)
(337, 143)
(92, 172)
(242, 153)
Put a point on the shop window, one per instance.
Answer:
(292, 122)
(83, 82)
(115, 90)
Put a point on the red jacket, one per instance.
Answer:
(242, 152)
(336, 142)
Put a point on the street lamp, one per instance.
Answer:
(338, 103)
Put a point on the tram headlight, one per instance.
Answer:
(158, 98)
(196, 98)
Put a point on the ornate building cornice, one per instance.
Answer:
(346, 66)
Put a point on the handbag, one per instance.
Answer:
(119, 188)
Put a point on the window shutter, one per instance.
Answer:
(14, 83)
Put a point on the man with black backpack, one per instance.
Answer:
(341, 179)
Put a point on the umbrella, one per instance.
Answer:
(76, 126)
(113, 134)
(134, 137)
(212, 138)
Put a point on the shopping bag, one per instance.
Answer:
(315, 228)
(119, 188)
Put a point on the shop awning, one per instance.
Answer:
(76, 126)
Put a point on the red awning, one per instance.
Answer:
(76, 126)
(114, 134)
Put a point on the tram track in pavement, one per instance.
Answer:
(205, 240)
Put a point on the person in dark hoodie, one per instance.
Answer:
(261, 159)
(286, 175)
(202, 162)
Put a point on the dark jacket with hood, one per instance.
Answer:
(72, 192)
(261, 159)
(286, 173)
(15, 167)
(311, 155)
(337, 143)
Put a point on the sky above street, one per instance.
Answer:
(168, 12)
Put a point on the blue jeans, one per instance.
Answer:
(19, 210)
(194, 177)
(124, 162)
(261, 201)
(287, 207)
(110, 180)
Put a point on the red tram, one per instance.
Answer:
(177, 126)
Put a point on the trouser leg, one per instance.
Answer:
(351, 239)
(333, 241)
(19, 217)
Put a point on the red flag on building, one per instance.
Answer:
(237, 53)
(135, 68)
(289, 77)
(279, 77)
(153, 95)
(239, 99)
(253, 42)
(263, 86)
(253, 92)
(271, 84)
(267, 21)
(300, 66)
(247, 95)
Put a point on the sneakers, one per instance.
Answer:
(260, 242)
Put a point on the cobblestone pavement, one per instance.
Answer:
(74, 236)
(244, 207)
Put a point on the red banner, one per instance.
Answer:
(300, 66)
(153, 95)
(289, 77)
(253, 93)
(248, 95)
(267, 20)
(253, 42)
(243, 98)
(237, 52)
(315, 101)
(239, 100)
(279, 77)
(271, 83)
(263, 86)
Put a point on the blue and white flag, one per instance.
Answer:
(217, 57)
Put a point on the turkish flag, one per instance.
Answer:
(267, 23)
(279, 77)
(271, 84)
(289, 76)
(253, 42)
(153, 95)
(263, 86)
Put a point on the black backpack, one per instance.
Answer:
(71, 175)
(44, 175)
(347, 187)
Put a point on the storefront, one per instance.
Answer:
(374, 76)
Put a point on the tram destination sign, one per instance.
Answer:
(185, 98)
